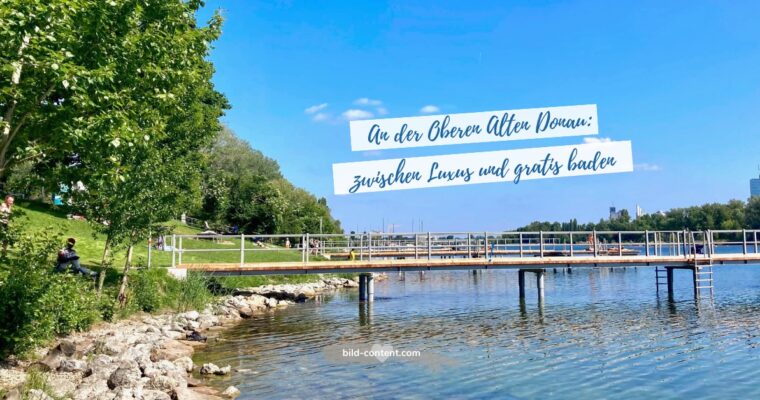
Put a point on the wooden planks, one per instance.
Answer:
(332, 266)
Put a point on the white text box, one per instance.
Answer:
(483, 167)
(490, 126)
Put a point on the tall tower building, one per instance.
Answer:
(754, 187)
(614, 214)
(639, 211)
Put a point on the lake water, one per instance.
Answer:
(597, 334)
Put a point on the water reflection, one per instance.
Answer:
(596, 334)
(365, 313)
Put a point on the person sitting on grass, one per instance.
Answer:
(68, 257)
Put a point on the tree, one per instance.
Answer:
(142, 108)
(115, 69)
(752, 214)
(256, 205)
(231, 154)
(733, 215)
(215, 200)
(243, 187)
(157, 185)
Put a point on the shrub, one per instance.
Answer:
(148, 288)
(190, 293)
(36, 303)
(108, 305)
(153, 289)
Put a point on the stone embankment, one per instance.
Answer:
(149, 357)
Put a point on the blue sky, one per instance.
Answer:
(678, 79)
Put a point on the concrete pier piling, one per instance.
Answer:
(366, 287)
(362, 287)
(370, 288)
(540, 283)
(540, 274)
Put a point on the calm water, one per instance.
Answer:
(598, 334)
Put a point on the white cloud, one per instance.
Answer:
(315, 108)
(596, 140)
(382, 111)
(647, 167)
(366, 101)
(429, 109)
(321, 117)
(353, 114)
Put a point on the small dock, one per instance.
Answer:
(526, 252)
(443, 264)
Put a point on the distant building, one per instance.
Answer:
(614, 214)
(639, 211)
(754, 187)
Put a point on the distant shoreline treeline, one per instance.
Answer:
(735, 214)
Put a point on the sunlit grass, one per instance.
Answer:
(34, 217)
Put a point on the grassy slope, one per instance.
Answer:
(38, 217)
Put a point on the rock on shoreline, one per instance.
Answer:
(148, 357)
(297, 293)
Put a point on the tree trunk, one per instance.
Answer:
(105, 251)
(104, 268)
(125, 276)
(101, 280)
(7, 137)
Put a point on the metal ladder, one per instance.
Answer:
(704, 273)
(660, 277)
(704, 277)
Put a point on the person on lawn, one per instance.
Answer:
(68, 257)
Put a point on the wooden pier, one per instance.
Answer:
(447, 264)
(526, 252)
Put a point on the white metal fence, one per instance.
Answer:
(210, 249)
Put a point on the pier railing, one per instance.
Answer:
(311, 248)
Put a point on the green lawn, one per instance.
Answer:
(34, 217)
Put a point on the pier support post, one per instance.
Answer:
(370, 287)
(540, 283)
(540, 274)
(669, 271)
(366, 287)
(362, 287)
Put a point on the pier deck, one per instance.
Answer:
(526, 252)
(448, 264)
